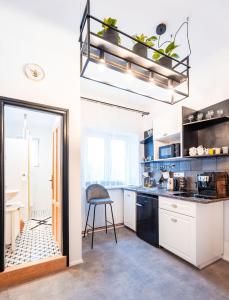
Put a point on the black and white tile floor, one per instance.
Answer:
(32, 245)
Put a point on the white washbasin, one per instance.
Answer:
(10, 194)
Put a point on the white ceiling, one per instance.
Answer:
(209, 31)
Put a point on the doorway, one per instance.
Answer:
(34, 183)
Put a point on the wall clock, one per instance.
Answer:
(34, 72)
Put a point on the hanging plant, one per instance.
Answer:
(108, 33)
(168, 47)
(169, 51)
(141, 49)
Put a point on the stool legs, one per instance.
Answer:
(106, 217)
(87, 220)
(93, 228)
(113, 223)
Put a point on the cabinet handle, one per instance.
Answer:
(174, 205)
(173, 220)
(139, 204)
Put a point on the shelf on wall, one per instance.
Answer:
(207, 156)
(207, 122)
(168, 159)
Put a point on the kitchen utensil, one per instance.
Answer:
(225, 150)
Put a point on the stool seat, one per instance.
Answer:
(96, 194)
(101, 201)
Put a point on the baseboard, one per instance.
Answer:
(226, 251)
(76, 262)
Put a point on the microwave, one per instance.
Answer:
(169, 151)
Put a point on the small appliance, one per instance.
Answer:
(168, 151)
(213, 184)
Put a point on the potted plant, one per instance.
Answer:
(169, 51)
(108, 33)
(141, 49)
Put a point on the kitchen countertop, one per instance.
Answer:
(170, 194)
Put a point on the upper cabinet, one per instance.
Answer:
(168, 124)
(167, 129)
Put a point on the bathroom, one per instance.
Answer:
(32, 162)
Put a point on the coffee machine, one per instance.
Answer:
(213, 184)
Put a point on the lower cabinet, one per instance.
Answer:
(130, 209)
(193, 231)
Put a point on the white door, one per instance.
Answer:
(130, 209)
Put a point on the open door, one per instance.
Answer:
(56, 185)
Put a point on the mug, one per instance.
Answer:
(192, 151)
(206, 151)
(225, 150)
(217, 150)
(200, 150)
(211, 151)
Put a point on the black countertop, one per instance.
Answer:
(169, 194)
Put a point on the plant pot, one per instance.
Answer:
(111, 36)
(166, 62)
(140, 49)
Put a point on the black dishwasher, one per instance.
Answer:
(147, 218)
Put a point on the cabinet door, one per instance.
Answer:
(130, 209)
(177, 233)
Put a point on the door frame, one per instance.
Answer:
(64, 113)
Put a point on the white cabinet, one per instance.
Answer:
(177, 234)
(169, 123)
(193, 231)
(130, 209)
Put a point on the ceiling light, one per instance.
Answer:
(101, 57)
(101, 67)
(151, 77)
(128, 67)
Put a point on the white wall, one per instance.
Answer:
(112, 120)
(41, 190)
(43, 32)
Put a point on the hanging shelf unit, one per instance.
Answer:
(126, 70)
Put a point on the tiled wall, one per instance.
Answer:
(191, 168)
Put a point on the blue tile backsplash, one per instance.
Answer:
(191, 168)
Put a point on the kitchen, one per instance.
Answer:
(181, 203)
(176, 204)
(143, 92)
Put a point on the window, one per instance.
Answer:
(111, 160)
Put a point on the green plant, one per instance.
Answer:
(108, 21)
(145, 40)
(169, 51)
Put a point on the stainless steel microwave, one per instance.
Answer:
(169, 151)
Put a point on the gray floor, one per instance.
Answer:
(130, 270)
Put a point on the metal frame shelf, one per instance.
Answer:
(119, 58)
